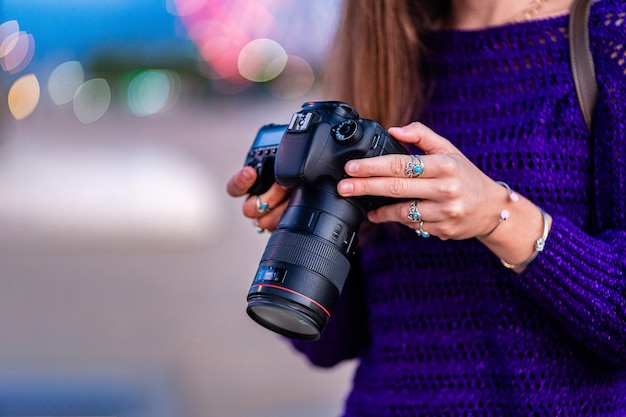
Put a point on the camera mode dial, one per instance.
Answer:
(347, 132)
(339, 108)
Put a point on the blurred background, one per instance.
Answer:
(124, 265)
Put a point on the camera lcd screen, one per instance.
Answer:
(270, 136)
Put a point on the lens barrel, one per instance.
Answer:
(305, 263)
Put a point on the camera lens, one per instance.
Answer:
(305, 264)
(297, 283)
(284, 317)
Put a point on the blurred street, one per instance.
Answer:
(123, 259)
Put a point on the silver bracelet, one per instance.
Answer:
(539, 245)
(504, 214)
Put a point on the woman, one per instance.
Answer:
(519, 308)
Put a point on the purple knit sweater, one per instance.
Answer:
(442, 328)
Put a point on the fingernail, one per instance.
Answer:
(345, 187)
(246, 175)
(372, 217)
(351, 167)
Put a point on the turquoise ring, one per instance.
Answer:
(421, 232)
(415, 167)
(261, 206)
(414, 214)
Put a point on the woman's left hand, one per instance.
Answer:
(456, 200)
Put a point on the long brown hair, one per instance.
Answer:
(375, 61)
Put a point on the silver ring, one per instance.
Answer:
(258, 228)
(414, 213)
(262, 207)
(415, 167)
(421, 232)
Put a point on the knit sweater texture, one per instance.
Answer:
(441, 328)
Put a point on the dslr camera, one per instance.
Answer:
(307, 259)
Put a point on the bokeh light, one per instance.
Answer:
(153, 91)
(92, 100)
(237, 45)
(16, 51)
(222, 54)
(8, 30)
(64, 80)
(294, 81)
(242, 43)
(8, 27)
(24, 96)
(261, 60)
(221, 30)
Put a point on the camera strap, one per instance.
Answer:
(581, 59)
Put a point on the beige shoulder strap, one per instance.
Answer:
(581, 58)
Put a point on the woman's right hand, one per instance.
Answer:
(266, 209)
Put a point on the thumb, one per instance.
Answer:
(423, 137)
(239, 183)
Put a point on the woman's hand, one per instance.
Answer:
(265, 210)
(456, 199)
(451, 198)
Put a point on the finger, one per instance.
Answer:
(423, 137)
(388, 187)
(441, 179)
(270, 221)
(258, 206)
(424, 225)
(404, 213)
(394, 165)
(239, 183)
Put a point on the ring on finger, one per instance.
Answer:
(261, 206)
(415, 167)
(414, 213)
(257, 227)
(421, 232)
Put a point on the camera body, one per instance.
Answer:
(262, 156)
(307, 259)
